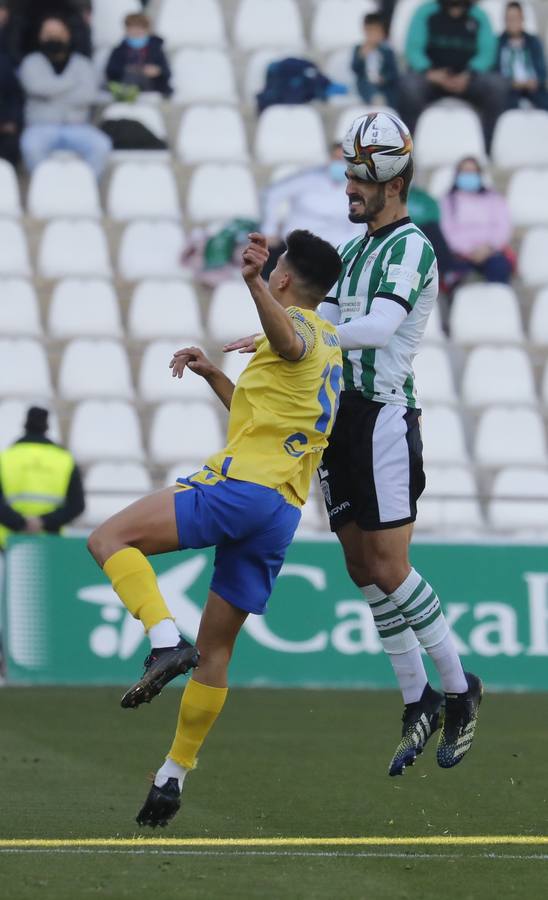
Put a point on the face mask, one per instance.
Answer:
(54, 48)
(137, 43)
(337, 169)
(468, 181)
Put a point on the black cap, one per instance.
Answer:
(37, 420)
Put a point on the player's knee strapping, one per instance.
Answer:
(419, 605)
(394, 632)
(200, 706)
(134, 580)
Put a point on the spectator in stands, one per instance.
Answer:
(60, 87)
(26, 17)
(424, 211)
(476, 223)
(6, 29)
(521, 61)
(311, 199)
(139, 61)
(374, 63)
(450, 50)
(11, 111)
(40, 484)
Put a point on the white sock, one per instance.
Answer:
(446, 660)
(170, 769)
(410, 672)
(164, 634)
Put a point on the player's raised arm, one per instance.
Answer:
(195, 359)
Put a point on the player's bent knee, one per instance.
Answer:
(103, 542)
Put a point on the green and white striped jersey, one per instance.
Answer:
(396, 262)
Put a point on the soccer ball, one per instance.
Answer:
(377, 146)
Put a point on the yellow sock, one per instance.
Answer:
(134, 580)
(200, 706)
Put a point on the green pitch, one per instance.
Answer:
(279, 764)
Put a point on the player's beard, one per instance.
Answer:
(372, 206)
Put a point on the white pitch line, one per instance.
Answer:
(292, 854)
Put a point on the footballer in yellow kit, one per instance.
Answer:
(245, 501)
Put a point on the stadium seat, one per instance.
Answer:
(338, 23)
(203, 76)
(347, 116)
(64, 187)
(449, 501)
(538, 322)
(399, 27)
(261, 23)
(434, 333)
(24, 371)
(338, 67)
(519, 500)
(151, 250)
(238, 196)
(232, 313)
(255, 71)
(84, 307)
(14, 254)
(486, 313)
(156, 382)
(526, 195)
(19, 311)
(105, 430)
(143, 190)
(446, 132)
(498, 375)
(520, 139)
(198, 23)
(94, 368)
(234, 364)
(10, 202)
(194, 143)
(147, 115)
(303, 123)
(433, 376)
(164, 309)
(182, 431)
(12, 421)
(510, 436)
(441, 181)
(108, 20)
(443, 436)
(73, 248)
(111, 486)
(495, 11)
(533, 256)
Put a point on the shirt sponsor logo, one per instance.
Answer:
(405, 275)
(293, 442)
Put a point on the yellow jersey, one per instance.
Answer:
(282, 412)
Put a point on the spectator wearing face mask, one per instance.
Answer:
(521, 61)
(139, 61)
(475, 221)
(60, 87)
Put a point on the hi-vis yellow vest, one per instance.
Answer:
(34, 479)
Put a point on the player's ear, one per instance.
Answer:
(284, 281)
(394, 188)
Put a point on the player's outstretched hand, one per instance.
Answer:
(192, 358)
(244, 345)
(254, 256)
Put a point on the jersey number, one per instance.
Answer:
(329, 411)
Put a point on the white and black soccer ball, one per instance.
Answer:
(377, 146)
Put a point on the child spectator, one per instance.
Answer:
(139, 61)
(374, 63)
(520, 59)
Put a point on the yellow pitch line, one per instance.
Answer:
(422, 841)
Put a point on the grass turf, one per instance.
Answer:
(278, 764)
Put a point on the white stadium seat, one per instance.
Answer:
(184, 431)
(12, 421)
(441, 181)
(156, 383)
(151, 250)
(338, 67)
(203, 76)
(313, 516)
(234, 364)
(510, 436)
(232, 313)
(261, 23)
(64, 187)
(486, 313)
(446, 132)
(449, 501)
(94, 368)
(303, 123)
(338, 23)
(111, 486)
(519, 500)
(10, 202)
(84, 307)
(143, 190)
(497, 375)
(520, 139)
(399, 27)
(108, 20)
(538, 322)
(19, 311)
(433, 376)
(73, 248)
(164, 309)
(526, 196)
(194, 139)
(495, 10)
(544, 386)
(533, 256)
(255, 71)
(147, 115)
(24, 371)
(434, 333)
(443, 436)
(238, 197)
(105, 430)
(192, 23)
(14, 254)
